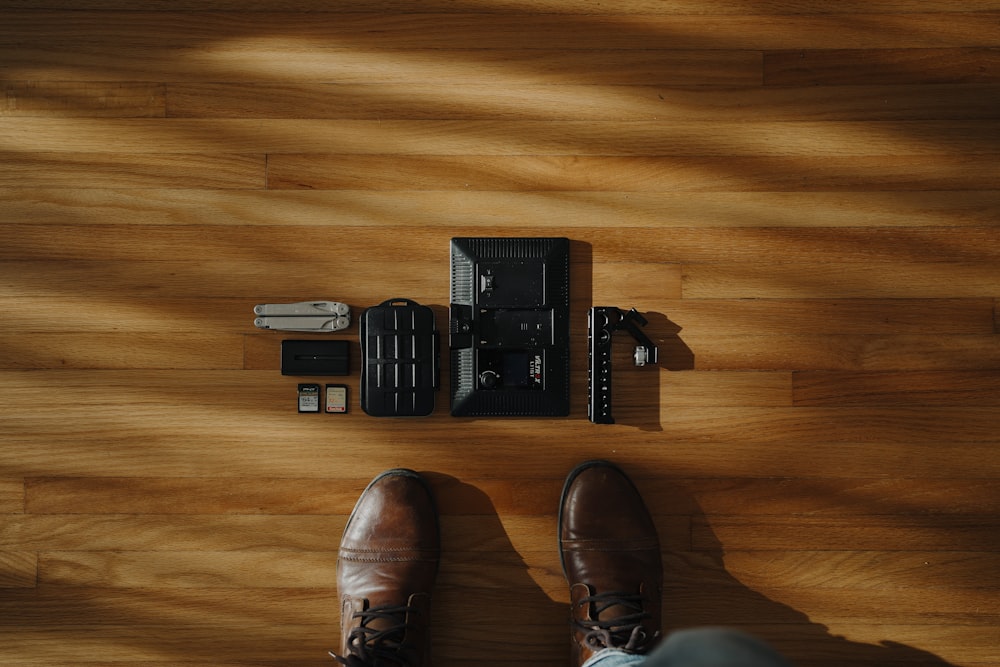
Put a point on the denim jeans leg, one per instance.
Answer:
(614, 658)
(713, 647)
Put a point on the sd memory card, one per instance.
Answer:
(336, 398)
(308, 398)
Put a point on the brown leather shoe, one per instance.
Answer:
(611, 558)
(386, 568)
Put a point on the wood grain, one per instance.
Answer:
(67, 169)
(801, 197)
(611, 102)
(631, 174)
(835, 496)
(431, 209)
(591, 245)
(664, 7)
(82, 99)
(126, 62)
(339, 138)
(18, 569)
(878, 280)
(110, 350)
(936, 387)
(161, 31)
(882, 66)
(11, 496)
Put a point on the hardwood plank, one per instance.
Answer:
(546, 638)
(267, 495)
(494, 574)
(131, 532)
(836, 497)
(125, 314)
(790, 316)
(432, 209)
(702, 603)
(630, 174)
(866, 645)
(876, 280)
(668, 7)
(11, 495)
(149, 448)
(847, 352)
(221, 608)
(850, 297)
(152, 644)
(904, 388)
(462, 574)
(913, 425)
(167, 30)
(50, 606)
(612, 102)
(75, 170)
(165, 439)
(117, 350)
(596, 245)
(902, 533)
(252, 281)
(800, 195)
(18, 569)
(875, 66)
(697, 389)
(86, 99)
(843, 570)
(905, 576)
(189, 569)
(172, 535)
(293, 60)
(337, 138)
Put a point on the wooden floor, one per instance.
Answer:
(806, 205)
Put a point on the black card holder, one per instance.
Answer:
(400, 367)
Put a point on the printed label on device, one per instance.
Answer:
(336, 398)
(308, 398)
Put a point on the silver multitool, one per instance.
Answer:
(318, 316)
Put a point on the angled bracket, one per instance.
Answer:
(602, 322)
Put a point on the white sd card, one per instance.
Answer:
(336, 398)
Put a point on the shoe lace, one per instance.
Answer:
(623, 631)
(382, 645)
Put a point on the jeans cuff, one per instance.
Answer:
(612, 657)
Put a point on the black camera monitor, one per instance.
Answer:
(509, 327)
